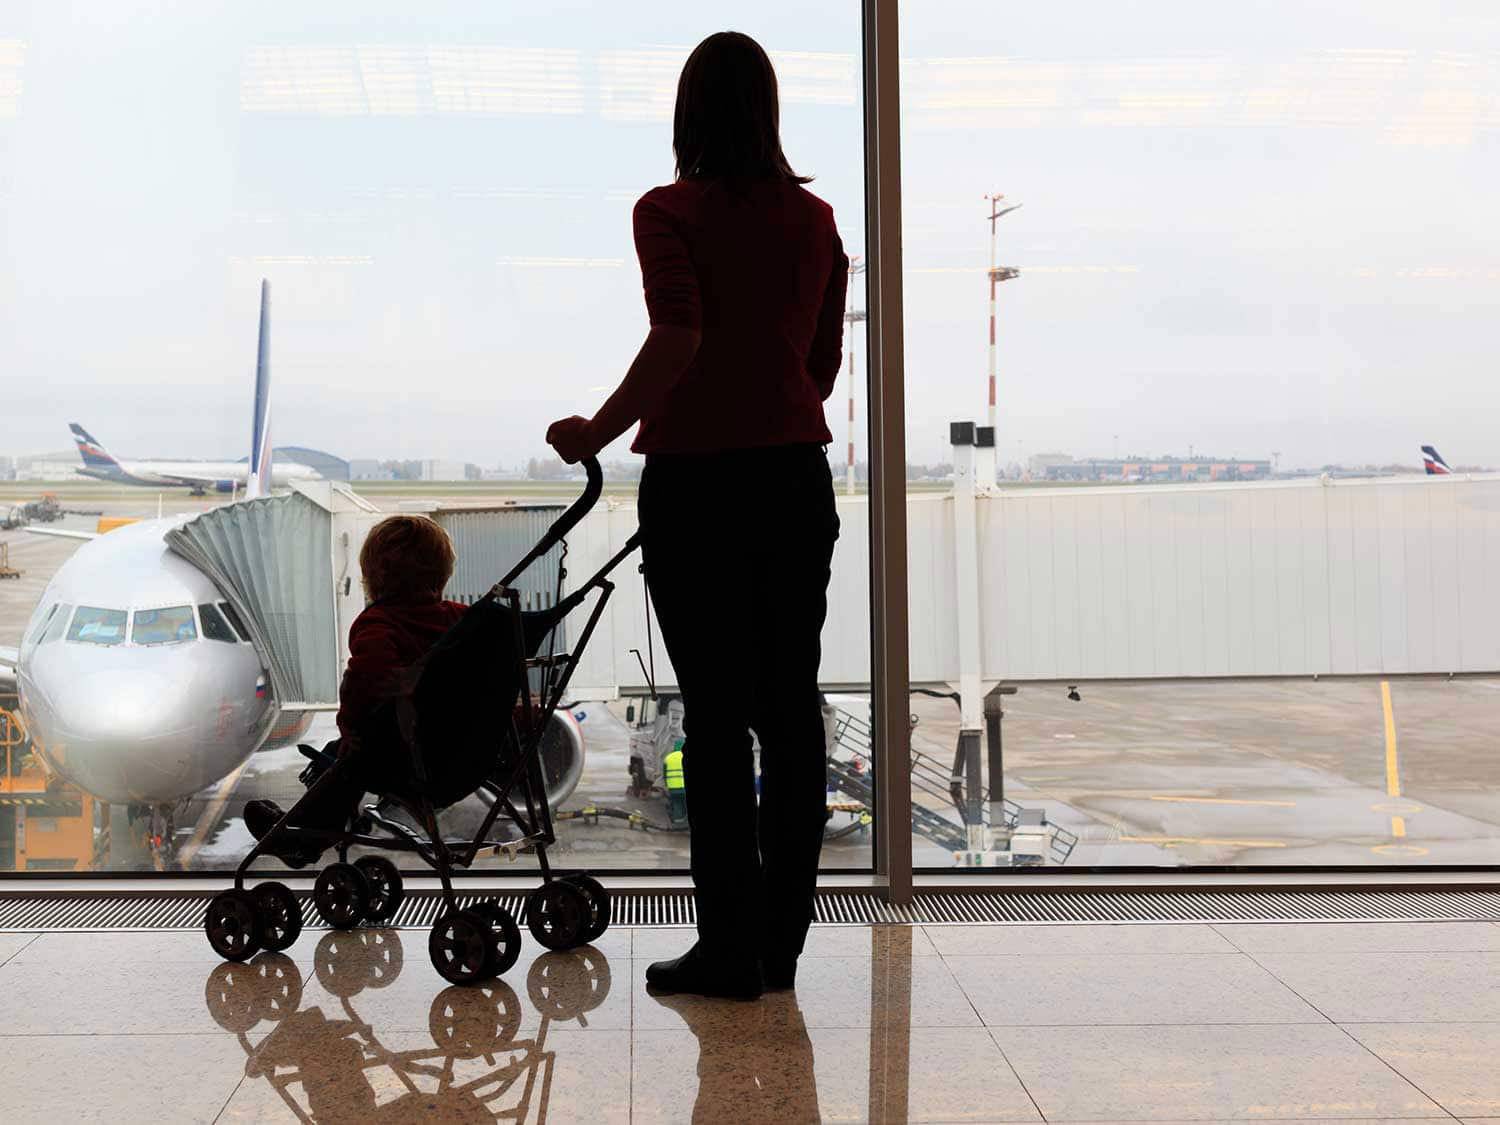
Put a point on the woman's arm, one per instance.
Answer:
(666, 354)
(826, 355)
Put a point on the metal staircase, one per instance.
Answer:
(851, 772)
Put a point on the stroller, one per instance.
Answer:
(469, 720)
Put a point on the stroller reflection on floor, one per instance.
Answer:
(469, 720)
(326, 1063)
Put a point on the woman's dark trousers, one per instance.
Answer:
(737, 549)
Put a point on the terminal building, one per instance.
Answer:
(1155, 469)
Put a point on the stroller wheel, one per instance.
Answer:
(558, 915)
(341, 895)
(280, 915)
(459, 946)
(233, 925)
(386, 891)
(505, 936)
(599, 906)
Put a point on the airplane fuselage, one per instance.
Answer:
(220, 476)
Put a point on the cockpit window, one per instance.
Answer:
(234, 619)
(164, 626)
(215, 628)
(95, 626)
(36, 636)
(59, 623)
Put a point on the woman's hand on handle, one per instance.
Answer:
(574, 439)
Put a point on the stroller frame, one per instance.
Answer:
(275, 915)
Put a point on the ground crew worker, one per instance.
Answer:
(671, 769)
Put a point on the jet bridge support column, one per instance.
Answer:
(966, 574)
(993, 714)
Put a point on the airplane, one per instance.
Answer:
(199, 476)
(139, 683)
(1433, 462)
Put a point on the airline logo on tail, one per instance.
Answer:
(259, 481)
(1433, 462)
(95, 456)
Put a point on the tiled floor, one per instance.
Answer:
(1358, 1022)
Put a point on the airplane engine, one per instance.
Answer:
(288, 729)
(562, 757)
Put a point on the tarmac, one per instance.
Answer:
(1267, 772)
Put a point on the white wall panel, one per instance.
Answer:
(1365, 507)
(1239, 582)
(1394, 592)
(1140, 610)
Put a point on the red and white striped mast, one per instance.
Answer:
(988, 474)
(852, 316)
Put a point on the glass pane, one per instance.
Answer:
(36, 634)
(234, 619)
(215, 628)
(1217, 276)
(59, 623)
(441, 199)
(163, 626)
(95, 626)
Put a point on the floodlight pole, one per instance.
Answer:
(996, 275)
(852, 316)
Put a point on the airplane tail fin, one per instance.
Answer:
(94, 455)
(258, 483)
(1433, 462)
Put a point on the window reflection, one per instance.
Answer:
(95, 626)
(174, 625)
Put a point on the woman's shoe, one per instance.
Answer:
(696, 973)
(780, 973)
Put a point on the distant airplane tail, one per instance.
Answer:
(94, 455)
(1433, 462)
(258, 483)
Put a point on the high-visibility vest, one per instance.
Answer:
(672, 770)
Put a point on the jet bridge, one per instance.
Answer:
(284, 563)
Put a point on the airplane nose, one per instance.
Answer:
(137, 735)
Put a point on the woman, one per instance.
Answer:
(744, 277)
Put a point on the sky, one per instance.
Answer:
(1245, 229)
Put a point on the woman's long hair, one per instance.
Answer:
(727, 125)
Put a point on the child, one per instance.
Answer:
(406, 562)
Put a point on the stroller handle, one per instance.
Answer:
(565, 522)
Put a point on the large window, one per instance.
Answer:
(1197, 412)
(440, 197)
(1233, 269)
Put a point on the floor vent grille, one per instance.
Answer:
(23, 911)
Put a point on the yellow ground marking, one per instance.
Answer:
(1393, 781)
(1403, 807)
(1227, 801)
(210, 816)
(1392, 771)
(1200, 840)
